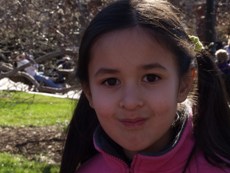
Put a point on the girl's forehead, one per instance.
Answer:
(134, 38)
(123, 36)
(131, 47)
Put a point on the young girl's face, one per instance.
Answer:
(134, 88)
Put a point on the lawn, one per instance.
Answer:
(18, 164)
(23, 109)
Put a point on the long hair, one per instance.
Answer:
(158, 18)
(212, 118)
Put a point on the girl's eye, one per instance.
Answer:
(111, 82)
(151, 78)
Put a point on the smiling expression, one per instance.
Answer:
(134, 88)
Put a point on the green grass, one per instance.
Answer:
(23, 109)
(18, 164)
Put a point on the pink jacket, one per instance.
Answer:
(171, 161)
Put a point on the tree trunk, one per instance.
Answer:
(210, 22)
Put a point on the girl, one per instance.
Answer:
(137, 113)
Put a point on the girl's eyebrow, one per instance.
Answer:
(153, 66)
(103, 70)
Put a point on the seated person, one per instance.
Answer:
(33, 71)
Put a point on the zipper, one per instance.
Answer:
(126, 167)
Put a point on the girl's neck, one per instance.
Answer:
(158, 146)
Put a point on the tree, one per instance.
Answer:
(210, 22)
(42, 28)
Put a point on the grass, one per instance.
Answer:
(23, 109)
(18, 164)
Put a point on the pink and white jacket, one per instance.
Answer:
(171, 160)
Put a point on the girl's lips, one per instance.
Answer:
(133, 123)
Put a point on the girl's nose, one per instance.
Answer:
(131, 99)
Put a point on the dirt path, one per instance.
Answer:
(35, 143)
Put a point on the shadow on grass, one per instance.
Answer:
(47, 169)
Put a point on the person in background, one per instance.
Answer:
(227, 48)
(65, 63)
(151, 101)
(222, 58)
(223, 64)
(32, 70)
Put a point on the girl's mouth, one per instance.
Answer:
(133, 123)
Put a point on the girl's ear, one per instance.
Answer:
(87, 93)
(185, 86)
